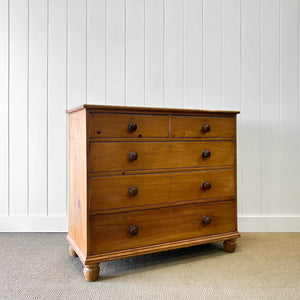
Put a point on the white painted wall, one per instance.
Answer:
(212, 54)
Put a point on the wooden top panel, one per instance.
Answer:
(151, 110)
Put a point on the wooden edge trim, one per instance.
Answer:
(159, 205)
(148, 109)
(163, 139)
(76, 248)
(161, 247)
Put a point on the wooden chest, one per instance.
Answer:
(143, 180)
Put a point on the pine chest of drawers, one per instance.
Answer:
(143, 180)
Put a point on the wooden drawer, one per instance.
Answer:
(114, 192)
(111, 156)
(195, 127)
(106, 125)
(111, 232)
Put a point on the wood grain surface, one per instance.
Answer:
(112, 192)
(78, 222)
(115, 125)
(191, 126)
(110, 232)
(156, 155)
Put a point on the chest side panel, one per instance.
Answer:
(78, 219)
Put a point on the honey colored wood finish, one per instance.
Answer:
(152, 110)
(72, 252)
(156, 226)
(159, 155)
(229, 245)
(113, 192)
(78, 204)
(91, 272)
(128, 125)
(152, 248)
(143, 180)
(203, 127)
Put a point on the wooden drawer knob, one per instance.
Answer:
(132, 127)
(205, 128)
(206, 153)
(132, 191)
(206, 220)
(132, 156)
(133, 230)
(206, 185)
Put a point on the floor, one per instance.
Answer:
(264, 266)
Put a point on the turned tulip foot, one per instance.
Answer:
(91, 272)
(72, 252)
(229, 245)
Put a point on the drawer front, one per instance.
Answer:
(103, 125)
(114, 192)
(127, 230)
(110, 156)
(202, 127)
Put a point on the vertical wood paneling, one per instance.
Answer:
(212, 54)
(251, 158)
(4, 71)
(115, 55)
(193, 53)
(96, 51)
(231, 72)
(216, 54)
(37, 106)
(154, 50)
(57, 83)
(270, 93)
(18, 108)
(173, 53)
(76, 53)
(135, 53)
(289, 108)
(231, 58)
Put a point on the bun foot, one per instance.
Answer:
(229, 245)
(91, 272)
(72, 252)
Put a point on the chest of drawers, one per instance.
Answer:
(143, 180)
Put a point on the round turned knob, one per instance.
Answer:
(206, 185)
(132, 156)
(206, 220)
(132, 191)
(205, 128)
(206, 153)
(132, 127)
(133, 230)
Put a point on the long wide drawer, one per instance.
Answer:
(120, 231)
(105, 125)
(114, 192)
(122, 156)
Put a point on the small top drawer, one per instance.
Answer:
(202, 127)
(110, 125)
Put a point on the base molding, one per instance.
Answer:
(60, 224)
(33, 224)
(95, 259)
(269, 223)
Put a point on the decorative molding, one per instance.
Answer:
(269, 223)
(33, 224)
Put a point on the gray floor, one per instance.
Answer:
(264, 266)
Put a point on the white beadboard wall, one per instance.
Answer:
(211, 54)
